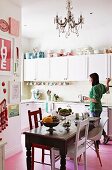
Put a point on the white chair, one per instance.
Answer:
(95, 135)
(79, 147)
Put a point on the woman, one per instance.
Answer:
(95, 96)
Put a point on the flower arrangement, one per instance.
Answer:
(56, 97)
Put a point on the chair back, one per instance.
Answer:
(102, 123)
(82, 134)
(34, 118)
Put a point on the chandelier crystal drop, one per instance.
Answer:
(69, 25)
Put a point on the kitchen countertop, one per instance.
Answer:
(32, 101)
(70, 102)
(85, 103)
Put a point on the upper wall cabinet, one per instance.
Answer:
(71, 68)
(98, 63)
(29, 69)
(42, 69)
(77, 68)
(110, 66)
(36, 69)
(58, 69)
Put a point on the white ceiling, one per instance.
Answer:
(38, 15)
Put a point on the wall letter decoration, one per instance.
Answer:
(4, 26)
(13, 27)
(6, 50)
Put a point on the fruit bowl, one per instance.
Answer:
(51, 125)
(65, 112)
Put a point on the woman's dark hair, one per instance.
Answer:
(95, 78)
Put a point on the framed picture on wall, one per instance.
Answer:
(6, 55)
(14, 92)
(13, 110)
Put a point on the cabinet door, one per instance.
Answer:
(110, 66)
(24, 115)
(103, 115)
(77, 68)
(43, 69)
(29, 70)
(58, 69)
(98, 63)
(110, 123)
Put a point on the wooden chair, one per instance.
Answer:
(95, 135)
(79, 147)
(35, 118)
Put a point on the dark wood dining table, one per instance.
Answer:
(60, 138)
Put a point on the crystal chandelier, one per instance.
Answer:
(69, 25)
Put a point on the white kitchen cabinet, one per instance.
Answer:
(24, 115)
(110, 123)
(98, 63)
(24, 112)
(103, 115)
(42, 69)
(58, 69)
(110, 66)
(2, 155)
(71, 68)
(36, 69)
(29, 69)
(77, 68)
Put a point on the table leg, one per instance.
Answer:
(63, 162)
(28, 158)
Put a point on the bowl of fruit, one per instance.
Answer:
(50, 121)
(65, 112)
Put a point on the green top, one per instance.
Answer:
(97, 92)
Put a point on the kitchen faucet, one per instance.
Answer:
(80, 97)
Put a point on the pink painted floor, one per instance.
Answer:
(18, 161)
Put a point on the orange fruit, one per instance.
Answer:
(48, 119)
